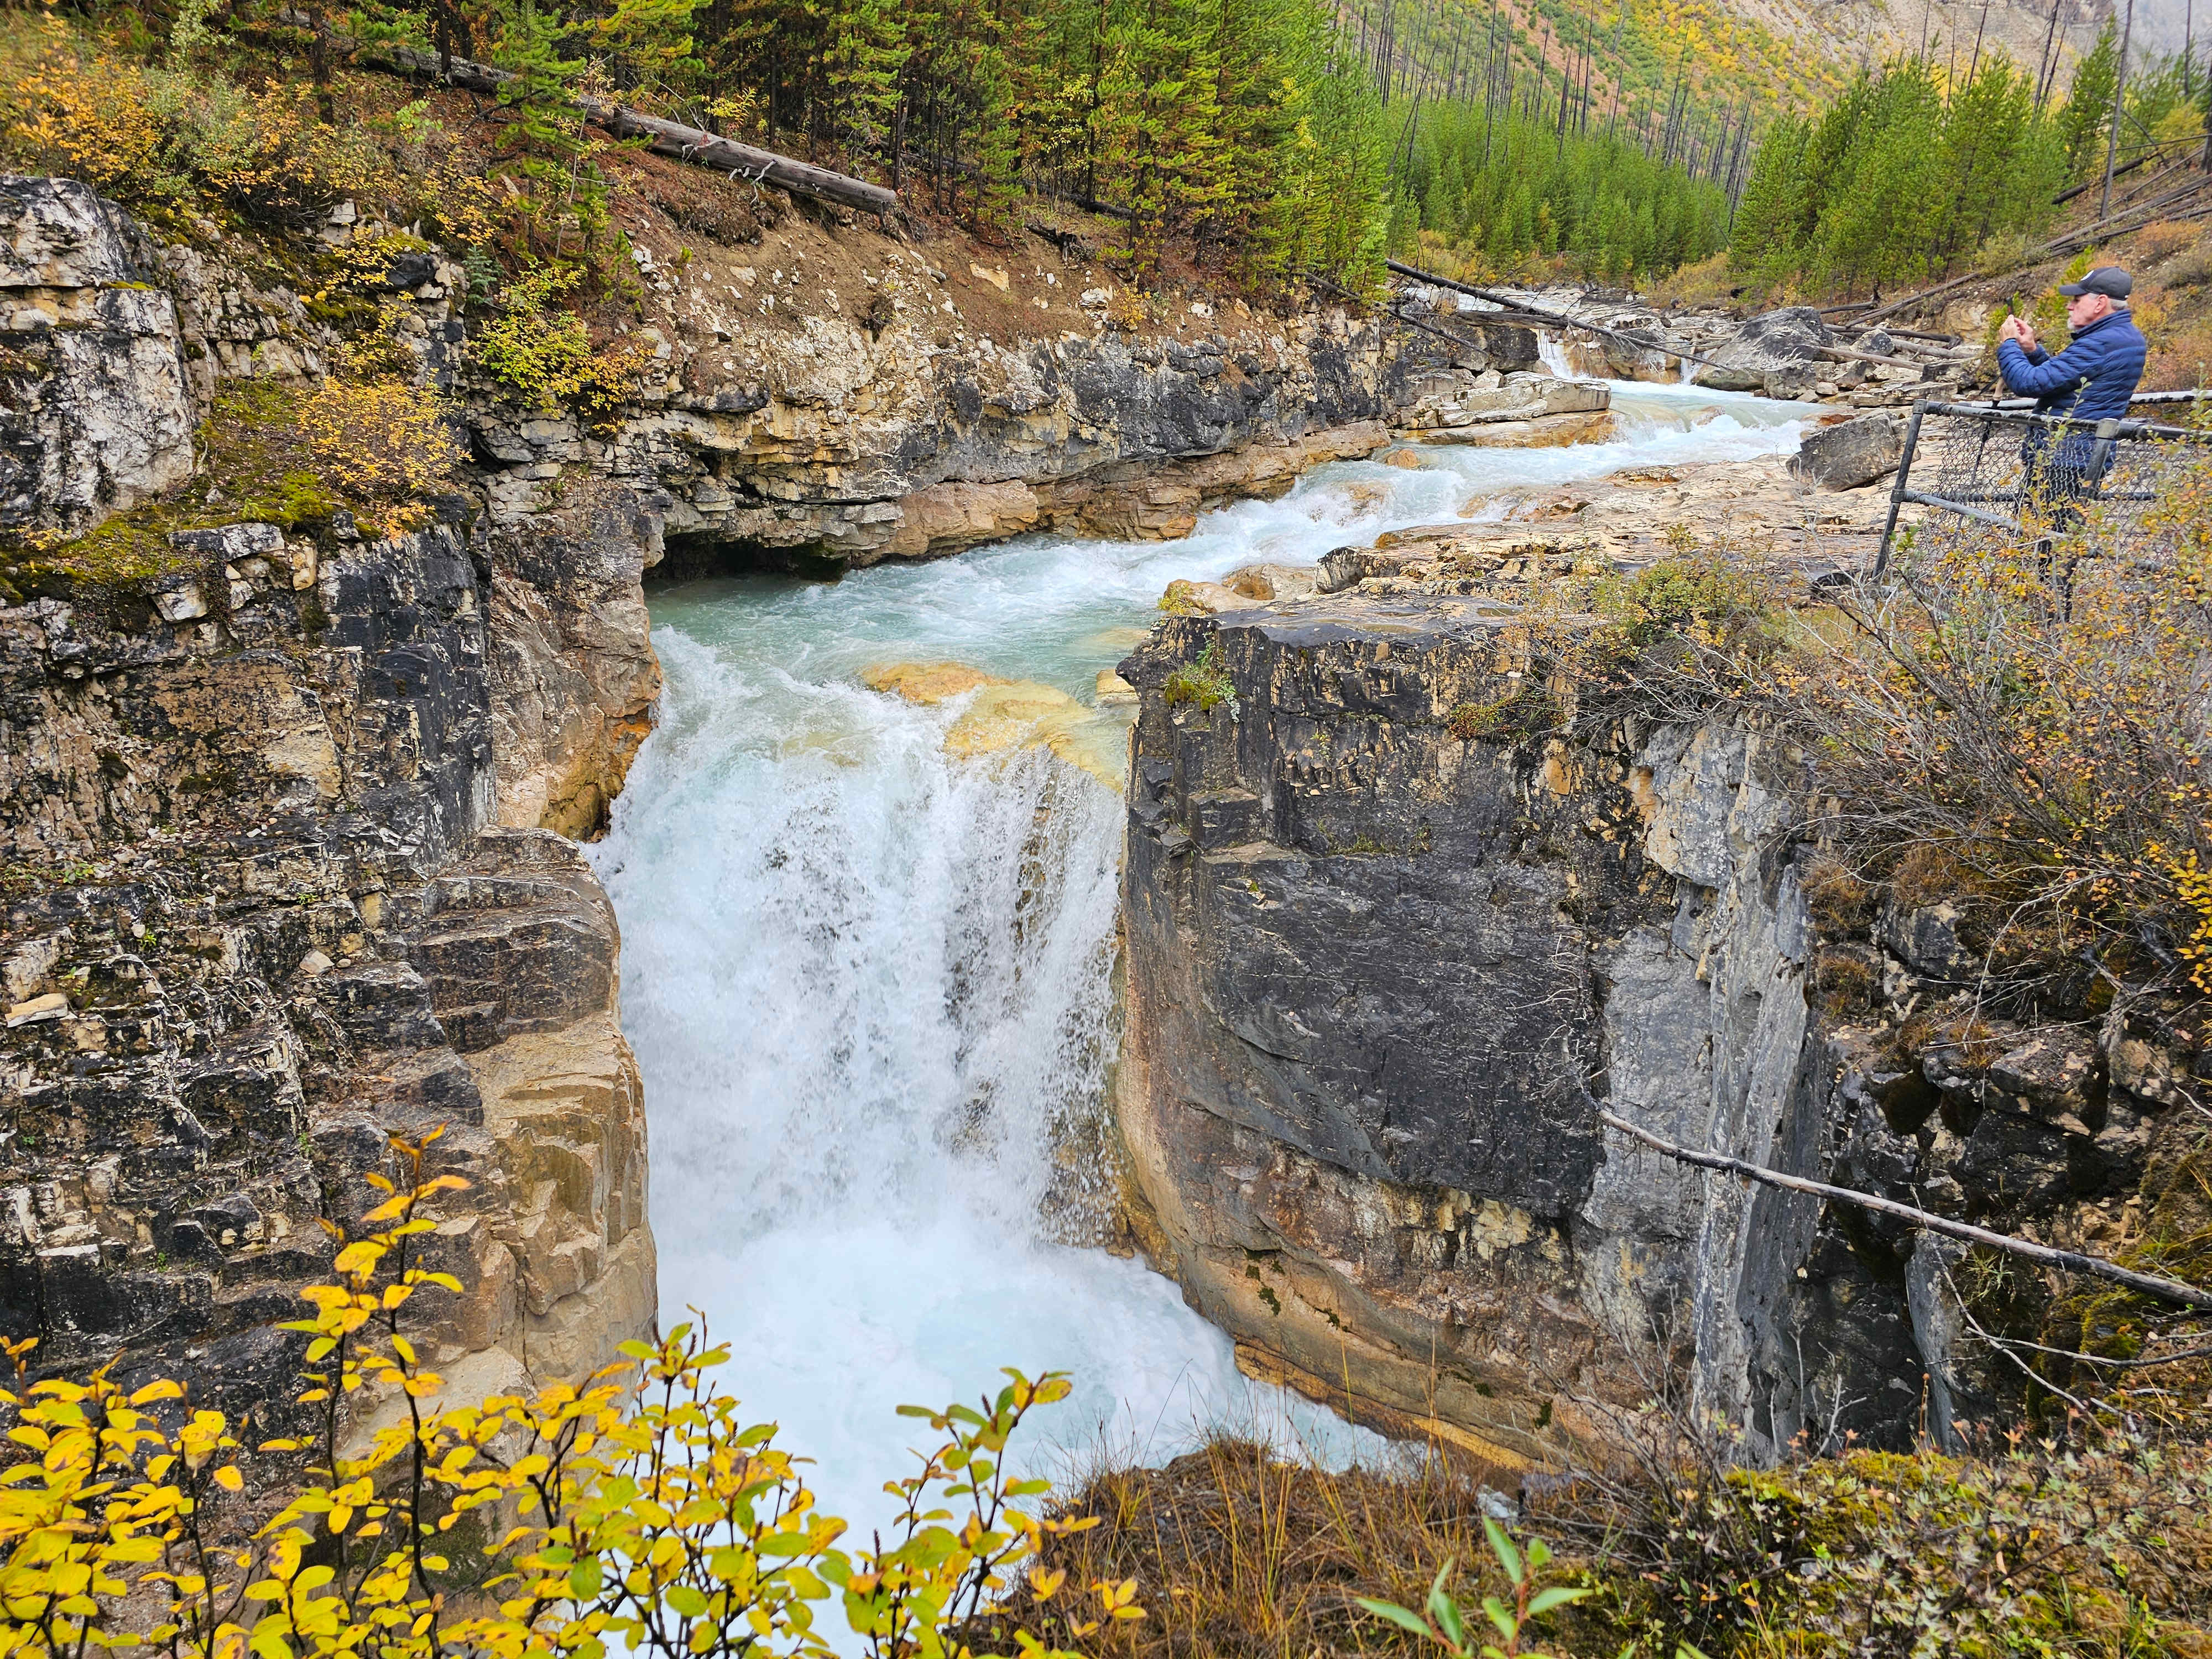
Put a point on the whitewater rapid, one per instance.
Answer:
(870, 987)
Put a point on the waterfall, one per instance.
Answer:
(870, 983)
(869, 989)
(1552, 352)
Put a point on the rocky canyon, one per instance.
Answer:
(293, 807)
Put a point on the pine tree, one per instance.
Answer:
(546, 141)
(2088, 113)
(864, 49)
(1771, 220)
(1881, 208)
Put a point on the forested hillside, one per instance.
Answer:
(1244, 127)
(1263, 143)
(1240, 134)
(1925, 167)
(1260, 142)
(1516, 194)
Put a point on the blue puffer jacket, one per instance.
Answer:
(2093, 378)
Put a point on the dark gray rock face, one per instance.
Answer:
(1392, 940)
(1380, 977)
(1294, 827)
(1851, 453)
(257, 921)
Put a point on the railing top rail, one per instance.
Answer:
(2062, 423)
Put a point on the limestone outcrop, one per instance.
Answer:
(877, 446)
(258, 919)
(1402, 915)
(258, 911)
(1848, 453)
(1450, 400)
(574, 679)
(95, 413)
(1377, 970)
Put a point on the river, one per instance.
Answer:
(869, 986)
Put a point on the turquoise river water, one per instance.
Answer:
(869, 986)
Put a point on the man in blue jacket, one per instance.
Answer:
(2092, 379)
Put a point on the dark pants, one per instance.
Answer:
(2058, 477)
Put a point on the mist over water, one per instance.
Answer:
(870, 985)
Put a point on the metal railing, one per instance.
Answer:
(2000, 466)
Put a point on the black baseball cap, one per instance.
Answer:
(2108, 280)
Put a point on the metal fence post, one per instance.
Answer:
(2100, 452)
(1897, 490)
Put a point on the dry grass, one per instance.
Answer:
(1707, 283)
(1236, 1552)
(2163, 240)
(2182, 359)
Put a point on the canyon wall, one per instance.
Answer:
(1397, 930)
(281, 881)
(865, 439)
(284, 808)
(258, 919)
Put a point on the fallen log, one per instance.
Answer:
(2167, 1290)
(2070, 242)
(1910, 333)
(1522, 308)
(1843, 354)
(671, 138)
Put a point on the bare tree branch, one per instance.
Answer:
(2168, 1290)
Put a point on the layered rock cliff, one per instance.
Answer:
(1397, 929)
(933, 415)
(286, 802)
(260, 911)
(258, 920)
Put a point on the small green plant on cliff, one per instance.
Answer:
(638, 1512)
(1442, 1621)
(1523, 712)
(1700, 595)
(1700, 627)
(1203, 683)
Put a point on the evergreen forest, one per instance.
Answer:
(1515, 194)
(1918, 171)
(1271, 144)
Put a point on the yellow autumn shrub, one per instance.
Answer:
(541, 353)
(166, 135)
(77, 110)
(380, 441)
(637, 1512)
